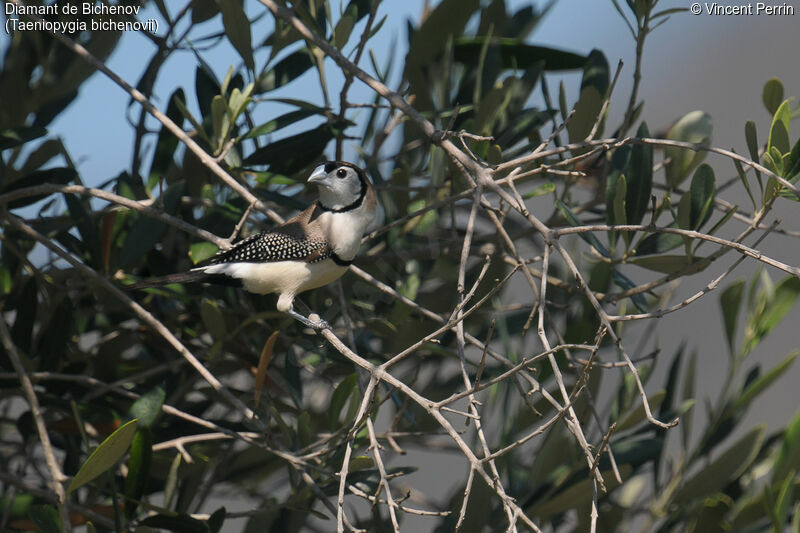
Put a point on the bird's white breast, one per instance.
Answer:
(344, 230)
(288, 278)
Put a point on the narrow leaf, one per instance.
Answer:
(263, 364)
(237, 28)
(105, 456)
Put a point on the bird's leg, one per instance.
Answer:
(320, 325)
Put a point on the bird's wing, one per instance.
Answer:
(298, 239)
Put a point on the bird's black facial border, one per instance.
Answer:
(329, 167)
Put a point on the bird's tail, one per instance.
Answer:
(193, 276)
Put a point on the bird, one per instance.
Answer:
(310, 250)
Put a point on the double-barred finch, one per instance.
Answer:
(308, 251)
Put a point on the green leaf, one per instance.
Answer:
(213, 319)
(339, 398)
(779, 131)
(11, 137)
(688, 393)
(694, 127)
(772, 96)
(541, 190)
(684, 218)
(619, 205)
(751, 137)
(515, 53)
(587, 110)
(760, 384)
(731, 302)
(667, 264)
(361, 462)
(589, 237)
(237, 28)
(286, 70)
(575, 495)
(105, 456)
(788, 457)
(728, 466)
(200, 251)
(138, 469)
(702, 194)
(220, 121)
(792, 167)
(658, 243)
(638, 415)
(760, 324)
(640, 179)
(743, 176)
(620, 163)
(148, 406)
(46, 518)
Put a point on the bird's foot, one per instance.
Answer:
(316, 325)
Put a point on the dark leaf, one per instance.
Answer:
(138, 469)
(515, 53)
(281, 122)
(167, 142)
(339, 398)
(730, 301)
(181, 523)
(46, 518)
(701, 193)
(624, 282)
(58, 176)
(203, 10)
(640, 179)
(294, 153)
(11, 137)
(206, 88)
(286, 70)
(146, 231)
(237, 28)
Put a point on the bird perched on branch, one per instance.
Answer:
(308, 251)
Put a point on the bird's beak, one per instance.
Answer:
(318, 175)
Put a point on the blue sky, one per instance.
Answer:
(99, 138)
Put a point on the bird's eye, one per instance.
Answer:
(341, 173)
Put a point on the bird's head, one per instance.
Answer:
(341, 185)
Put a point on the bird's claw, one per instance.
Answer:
(313, 321)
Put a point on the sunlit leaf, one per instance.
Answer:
(694, 127)
(105, 456)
